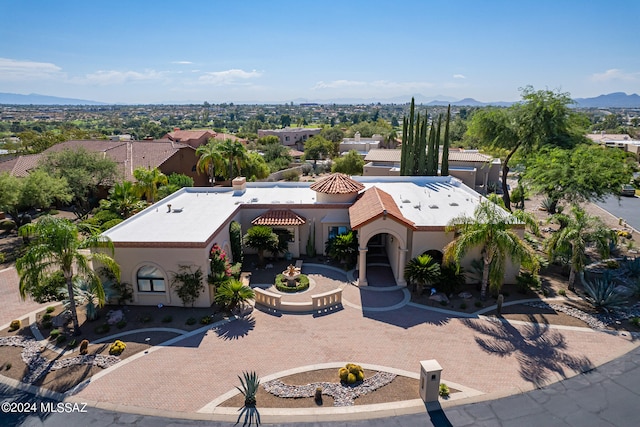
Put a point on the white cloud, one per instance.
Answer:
(614, 74)
(459, 76)
(118, 77)
(182, 62)
(378, 84)
(12, 69)
(228, 77)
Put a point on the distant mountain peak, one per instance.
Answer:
(611, 100)
(37, 99)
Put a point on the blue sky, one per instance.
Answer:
(139, 51)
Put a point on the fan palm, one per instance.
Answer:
(423, 271)
(233, 293)
(490, 229)
(236, 153)
(55, 245)
(576, 233)
(262, 238)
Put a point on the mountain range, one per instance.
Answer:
(612, 100)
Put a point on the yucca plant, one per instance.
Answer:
(249, 384)
(602, 295)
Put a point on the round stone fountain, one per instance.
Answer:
(291, 274)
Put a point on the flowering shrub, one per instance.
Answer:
(117, 348)
(219, 265)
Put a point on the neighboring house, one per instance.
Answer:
(621, 141)
(473, 168)
(291, 137)
(194, 138)
(361, 145)
(167, 156)
(401, 216)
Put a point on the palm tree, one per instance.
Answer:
(123, 199)
(262, 238)
(490, 229)
(237, 154)
(148, 182)
(55, 244)
(343, 248)
(576, 233)
(232, 293)
(211, 160)
(422, 270)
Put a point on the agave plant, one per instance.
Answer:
(632, 267)
(602, 294)
(249, 387)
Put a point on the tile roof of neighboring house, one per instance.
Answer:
(225, 136)
(279, 217)
(373, 204)
(186, 135)
(394, 156)
(295, 153)
(337, 183)
(127, 155)
(8, 165)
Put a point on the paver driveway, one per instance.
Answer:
(476, 353)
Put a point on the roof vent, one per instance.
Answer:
(177, 210)
(453, 204)
(254, 200)
(275, 202)
(433, 206)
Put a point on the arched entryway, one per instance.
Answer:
(382, 255)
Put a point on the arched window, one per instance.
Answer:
(150, 279)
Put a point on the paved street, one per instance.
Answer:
(627, 208)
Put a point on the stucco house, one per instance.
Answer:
(474, 169)
(402, 216)
(291, 137)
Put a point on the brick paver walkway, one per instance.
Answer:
(11, 304)
(476, 353)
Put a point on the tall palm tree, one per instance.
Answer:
(211, 160)
(123, 199)
(422, 270)
(262, 238)
(236, 153)
(576, 233)
(55, 245)
(490, 229)
(148, 182)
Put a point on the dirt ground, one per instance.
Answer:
(401, 388)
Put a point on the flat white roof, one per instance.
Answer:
(196, 213)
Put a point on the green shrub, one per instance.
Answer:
(302, 283)
(7, 366)
(102, 329)
(635, 321)
(167, 319)
(15, 325)
(46, 317)
(443, 390)
(191, 321)
(73, 343)
(463, 306)
(526, 281)
(612, 264)
(145, 318)
(110, 224)
(61, 338)
(47, 324)
(205, 320)
(121, 324)
(55, 333)
(478, 304)
(7, 225)
(50, 309)
(562, 292)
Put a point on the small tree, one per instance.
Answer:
(261, 238)
(188, 284)
(350, 164)
(235, 237)
(343, 248)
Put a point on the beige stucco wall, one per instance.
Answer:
(168, 260)
(393, 228)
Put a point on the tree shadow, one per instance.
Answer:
(236, 329)
(23, 398)
(539, 349)
(408, 317)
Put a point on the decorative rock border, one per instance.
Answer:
(37, 365)
(599, 321)
(343, 395)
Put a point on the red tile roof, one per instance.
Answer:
(186, 135)
(337, 183)
(373, 204)
(279, 217)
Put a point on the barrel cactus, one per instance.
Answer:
(351, 373)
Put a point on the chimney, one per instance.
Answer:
(357, 136)
(239, 185)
